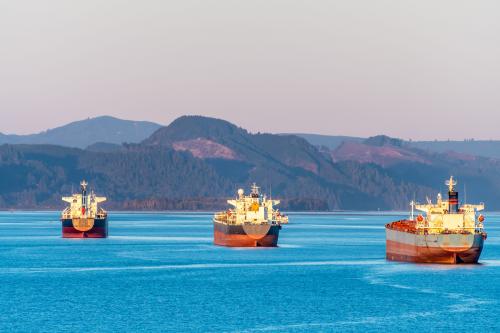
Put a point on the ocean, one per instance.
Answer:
(160, 272)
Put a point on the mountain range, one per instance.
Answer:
(197, 162)
(83, 133)
(485, 148)
(106, 132)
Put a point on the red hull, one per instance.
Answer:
(404, 243)
(419, 254)
(235, 240)
(99, 229)
(246, 235)
(96, 232)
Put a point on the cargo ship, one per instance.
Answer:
(83, 218)
(445, 232)
(252, 222)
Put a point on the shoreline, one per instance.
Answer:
(336, 212)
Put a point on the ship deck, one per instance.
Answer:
(409, 226)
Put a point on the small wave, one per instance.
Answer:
(222, 265)
(23, 223)
(369, 320)
(161, 238)
(335, 226)
(468, 305)
(491, 262)
(166, 225)
(462, 303)
(189, 266)
(289, 246)
(28, 238)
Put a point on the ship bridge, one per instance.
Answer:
(449, 215)
(254, 208)
(83, 204)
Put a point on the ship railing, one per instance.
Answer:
(255, 222)
(279, 221)
(448, 231)
(436, 227)
(232, 220)
(223, 217)
(101, 215)
(278, 218)
(66, 213)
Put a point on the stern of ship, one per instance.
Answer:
(246, 235)
(403, 243)
(85, 228)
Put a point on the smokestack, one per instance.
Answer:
(452, 196)
(453, 201)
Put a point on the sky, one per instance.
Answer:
(426, 69)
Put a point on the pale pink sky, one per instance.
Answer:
(413, 69)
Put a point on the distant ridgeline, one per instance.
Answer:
(195, 163)
(84, 133)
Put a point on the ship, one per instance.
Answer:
(251, 222)
(83, 218)
(444, 232)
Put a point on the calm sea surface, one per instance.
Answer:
(160, 272)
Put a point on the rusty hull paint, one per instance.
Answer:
(265, 235)
(404, 244)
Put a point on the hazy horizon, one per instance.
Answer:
(295, 133)
(415, 70)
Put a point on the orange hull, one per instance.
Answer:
(94, 233)
(245, 240)
(99, 230)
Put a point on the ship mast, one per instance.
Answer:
(84, 184)
(255, 189)
(452, 195)
(451, 184)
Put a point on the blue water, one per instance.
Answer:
(161, 273)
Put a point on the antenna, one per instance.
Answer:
(451, 184)
(84, 185)
(465, 193)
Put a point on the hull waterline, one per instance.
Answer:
(99, 229)
(453, 248)
(246, 235)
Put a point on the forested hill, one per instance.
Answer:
(198, 162)
(83, 133)
(485, 148)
